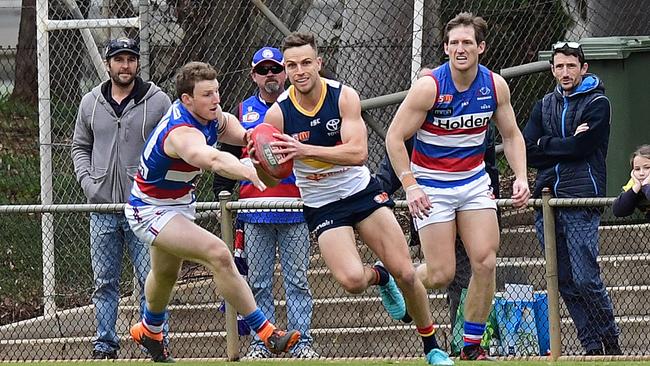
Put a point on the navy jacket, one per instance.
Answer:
(572, 166)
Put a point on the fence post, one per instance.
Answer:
(232, 334)
(550, 254)
(145, 19)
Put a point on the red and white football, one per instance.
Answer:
(262, 137)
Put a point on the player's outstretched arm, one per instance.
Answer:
(514, 146)
(189, 144)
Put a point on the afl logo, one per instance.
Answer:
(333, 124)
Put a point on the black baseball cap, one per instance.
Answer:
(120, 45)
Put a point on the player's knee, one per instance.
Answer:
(440, 279)
(354, 283)
(218, 256)
(485, 266)
(437, 278)
(405, 278)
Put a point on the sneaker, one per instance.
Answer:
(281, 341)
(305, 352)
(103, 355)
(258, 353)
(438, 357)
(152, 342)
(391, 297)
(475, 353)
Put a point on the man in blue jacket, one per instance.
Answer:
(566, 141)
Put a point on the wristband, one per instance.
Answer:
(412, 187)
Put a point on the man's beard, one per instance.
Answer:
(117, 81)
(272, 87)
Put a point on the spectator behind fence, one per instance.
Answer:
(391, 183)
(113, 121)
(327, 138)
(566, 141)
(636, 193)
(446, 185)
(264, 231)
(162, 206)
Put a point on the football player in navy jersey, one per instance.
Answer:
(446, 185)
(327, 138)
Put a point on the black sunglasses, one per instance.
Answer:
(263, 70)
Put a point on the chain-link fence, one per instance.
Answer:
(341, 324)
(225, 34)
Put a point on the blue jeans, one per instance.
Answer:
(110, 234)
(292, 243)
(579, 280)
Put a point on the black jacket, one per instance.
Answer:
(572, 166)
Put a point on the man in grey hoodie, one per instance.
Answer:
(113, 122)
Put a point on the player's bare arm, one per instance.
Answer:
(513, 142)
(231, 131)
(189, 144)
(353, 149)
(274, 117)
(408, 119)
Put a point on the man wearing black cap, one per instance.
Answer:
(264, 231)
(113, 122)
(566, 141)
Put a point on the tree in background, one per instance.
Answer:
(26, 84)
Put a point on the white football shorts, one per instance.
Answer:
(147, 221)
(475, 195)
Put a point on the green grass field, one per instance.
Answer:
(346, 362)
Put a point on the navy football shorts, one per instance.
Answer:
(347, 211)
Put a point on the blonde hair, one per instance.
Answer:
(642, 151)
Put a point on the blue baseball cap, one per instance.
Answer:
(268, 54)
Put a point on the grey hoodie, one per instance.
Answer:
(106, 149)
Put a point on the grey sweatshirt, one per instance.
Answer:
(106, 149)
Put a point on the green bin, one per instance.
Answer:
(623, 63)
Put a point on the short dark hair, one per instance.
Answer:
(298, 39)
(568, 49)
(468, 19)
(190, 74)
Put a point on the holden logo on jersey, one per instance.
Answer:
(382, 197)
(465, 121)
(333, 124)
(251, 116)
